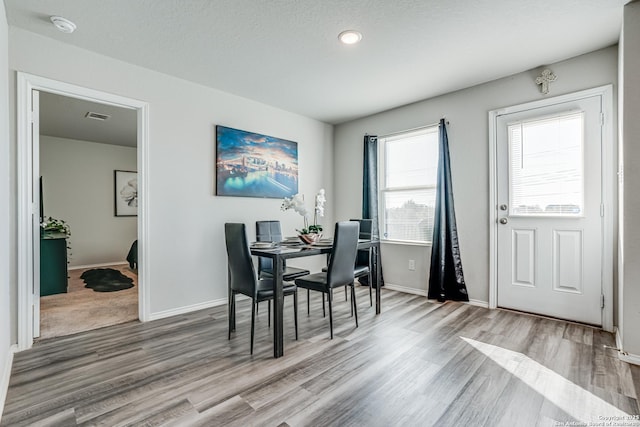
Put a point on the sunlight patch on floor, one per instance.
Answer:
(579, 403)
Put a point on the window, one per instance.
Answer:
(408, 185)
(546, 166)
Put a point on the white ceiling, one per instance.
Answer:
(65, 117)
(285, 53)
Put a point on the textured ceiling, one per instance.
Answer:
(285, 53)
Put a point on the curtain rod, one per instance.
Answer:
(412, 130)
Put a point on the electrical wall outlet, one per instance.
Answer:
(412, 264)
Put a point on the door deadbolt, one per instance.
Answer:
(503, 220)
(503, 207)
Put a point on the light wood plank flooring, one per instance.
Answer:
(417, 364)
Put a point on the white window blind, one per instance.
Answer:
(547, 166)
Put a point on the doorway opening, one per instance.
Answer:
(85, 281)
(29, 148)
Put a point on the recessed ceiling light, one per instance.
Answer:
(350, 36)
(63, 24)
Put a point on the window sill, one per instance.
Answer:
(405, 243)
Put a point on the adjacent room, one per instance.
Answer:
(85, 149)
(319, 213)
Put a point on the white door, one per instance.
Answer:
(550, 225)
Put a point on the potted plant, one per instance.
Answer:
(50, 226)
(309, 233)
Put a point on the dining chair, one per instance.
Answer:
(340, 270)
(271, 231)
(363, 259)
(242, 278)
(362, 266)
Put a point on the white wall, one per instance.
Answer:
(78, 188)
(5, 179)
(187, 257)
(467, 110)
(630, 208)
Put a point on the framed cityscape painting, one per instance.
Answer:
(254, 165)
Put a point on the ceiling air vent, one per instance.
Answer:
(97, 116)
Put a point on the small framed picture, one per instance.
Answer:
(126, 193)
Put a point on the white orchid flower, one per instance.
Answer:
(297, 204)
(286, 204)
(320, 201)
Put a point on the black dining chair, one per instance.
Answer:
(340, 270)
(362, 266)
(242, 278)
(270, 231)
(363, 259)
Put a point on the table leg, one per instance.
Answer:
(278, 304)
(376, 250)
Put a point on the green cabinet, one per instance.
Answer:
(53, 264)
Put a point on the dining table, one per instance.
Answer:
(283, 251)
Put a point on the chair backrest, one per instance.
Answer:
(366, 226)
(242, 275)
(343, 254)
(267, 231)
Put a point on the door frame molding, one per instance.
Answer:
(25, 175)
(607, 190)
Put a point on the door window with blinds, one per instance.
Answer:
(546, 159)
(408, 179)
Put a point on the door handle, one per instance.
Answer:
(503, 220)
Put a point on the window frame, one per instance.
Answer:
(383, 189)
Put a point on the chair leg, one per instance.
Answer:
(354, 307)
(307, 302)
(232, 310)
(350, 305)
(329, 297)
(324, 312)
(253, 324)
(345, 292)
(295, 312)
(269, 313)
(372, 261)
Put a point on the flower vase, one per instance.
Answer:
(310, 238)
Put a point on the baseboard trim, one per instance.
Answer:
(405, 289)
(629, 358)
(104, 264)
(187, 309)
(6, 377)
(623, 355)
(423, 293)
(478, 303)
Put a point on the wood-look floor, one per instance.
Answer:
(417, 364)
